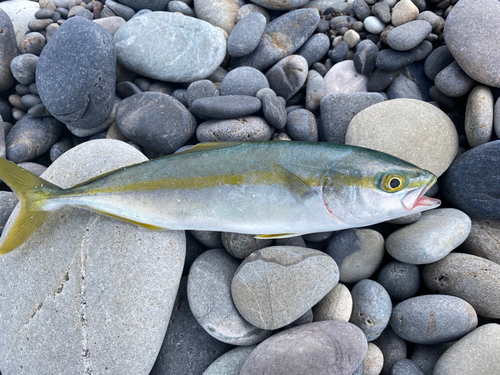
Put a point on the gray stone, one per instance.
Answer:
(373, 25)
(209, 295)
(20, 12)
(343, 78)
(371, 308)
(474, 279)
(23, 68)
(30, 100)
(476, 353)
(437, 60)
(200, 89)
(425, 136)
(181, 7)
(8, 202)
(453, 81)
(288, 76)
(469, 24)
(426, 356)
(242, 245)
(31, 137)
(126, 88)
(291, 241)
(433, 319)
(392, 347)
(404, 11)
(483, 240)
(112, 24)
(315, 48)
(496, 118)
(301, 125)
(373, 361)
(381, 79)
(60, 148)
(186, 348)
(274, 109)
(36, 169)
(79, 97)
(153, 5)
(209, 239)
(336, 305)
(150, 128)
(250, 128)
(32, 43)
(220, 13)
(246, 35)
(479, 116)
(365, 56)
(361, 9)
(341, 6)
(8, 50)
(243, 81)
(319, 348)
(227, 106)
(337, 111)
(400, 280)
(282, 37)
(315, 90)
(406, 367)
(339, 52)
(280, 4)
(389, 59)
(75, 253)
(230, 363)
(403, 87)
(44, 13)
(185, 48)
(121, 10)
(111, 119)
(250, 8)
(436, 21)
(382, 11)
(276, 285)
(435, 235)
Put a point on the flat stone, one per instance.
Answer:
(479, 116)
(425, 136)
(336, 305)
(273, 108)
(227, 106)
(150, 128)
(231, 362)
(469, 24)
(474, 279)
(246, 35)
(8, 50)
(249, 128)
(276, 285)
(241, 245)
(453, 81)
(185, 48)
(471, 182)
(282, 37)
(392, 347)
(483, 240)
(243, 81)
(476, 353)
(317, 348)
(220, 13)
(75, 253)
(288, 76)
(433, 319)
(400, 280)
(209, 295)
(408, 35)
(21, 12)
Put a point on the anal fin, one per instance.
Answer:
(277, 236)
(144, 225)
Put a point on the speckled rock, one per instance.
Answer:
(316, 348)
(469, 24)
(479, 116)
(8, 50)
(76, 80)
(230, 363)
(250, 8)
(301, 125)
(371, 309)
(408, 35)
(242, 245)
(23, 68)
(373, 361)
(315, 48)
(275, 285)
(246, 35)
(476, 353)
(483, 240)
(336, 305)
(273, 108)
(220, 13)
(250, 128)
(243, 81)
(75, 253)
(453, 81)
(406, 367)
(145, 45)
(474, 279)
(425, 136)
(343, 78)
(209, 295)
(400, 280)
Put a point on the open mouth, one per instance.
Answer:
(416, 198)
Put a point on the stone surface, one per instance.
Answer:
(301, 125)
(406, 367)
(319, 348)
(78, 96)
(170, 47)
(400, 280)
(76, 252)
(373, 361)
(476, 353)
(469, 24)
(227, 106)
(373, 25)
(315, 48)
(20, 12)
(479, 116)
(220, 13)
(241, 245)
(404, 11)
(8, 50)
(433, 319)
(474, 279)
(426, 356)
(453, 81)
(483, 240)
(209, 295)
(471, 182)
(243, 81)
(336, 305)
(280, 4)
(141, 118)
(288, 76)
(273, 108)
(23, 68)
(408, 35)
(315, 90)
(365, 56)
(230, 363)
(250, 128)
(424, 136)
(246, 35)
(343, 78)
(276, 285)
(437, 60)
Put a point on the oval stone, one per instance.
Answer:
(425, 136)
(471, 183)
(227, 106)
(469, 277)
(246, 35)
(336, 305)
(483, 240)
(288, 76)
(280, 4)
(76, 76)
(243, 81)
(453, 81)
(433, 319)
(479, 116)
(400, 280)
(143, 118)
(343, 78)
(322, 348)
(408, 35)
(170, 47)
(276, 285)
(250, 128)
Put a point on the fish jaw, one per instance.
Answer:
(416, 201)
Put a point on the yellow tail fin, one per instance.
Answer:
(32, 192)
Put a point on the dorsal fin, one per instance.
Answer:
(208, 146)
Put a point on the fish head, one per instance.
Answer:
(376, 187)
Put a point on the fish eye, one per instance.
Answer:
(392, 183)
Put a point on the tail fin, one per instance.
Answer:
(32, 192)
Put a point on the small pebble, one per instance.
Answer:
(479, 115)
(361, 9)
(408, 35)
(382, 11)
(32, 43)
(230, 362)
(315, 90)
(243, 81)
(23, 68)
(274, 110)
(373, 25)
(453, 81)
(373, 361)
(226, 107)
(404, 11)
(336, 305)
(339, 52)
(301, 125)
(403, 87)
(344, 79)
(365, 56)
(249, 128)
(315, 48)
(400, 280)
(200, 89)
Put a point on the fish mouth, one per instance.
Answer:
(417, 201)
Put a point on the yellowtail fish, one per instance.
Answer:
(270, 189)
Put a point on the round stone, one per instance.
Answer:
(243, 81)
(246, 35)
(453, 81)
(301, 125)
(32, 43)
(468, 36)
(23, 68)
(425, 136)
(483, 239)
(170, 47)
(479, 116)
(276, 285)
(404, 11)
(250, 128)
(373, 25)
(241, 245)
(336, 305)
(400, 280)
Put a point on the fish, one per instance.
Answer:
(267, 189)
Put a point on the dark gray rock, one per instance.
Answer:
(250, 128)
(200, 89)
(32, 43)
(274, 110)
(426, 356)
(126, 88)
(60, 148)
(400, 280)
(453, 81)
(361, 9)
(365, 56)
(315, 48)
(301, 125)
(242, 245)
(22, 89)
(315, 90)
(389, 59)
(78, 93)
(153, 5)
(474, 279)
(5, 110)
(141, 118)
(421, 51)
(471, 182)
(339, 52)
(408, 35)
(44, 13)
(243, 81)
(209, 239)
(291, 241)
(406, 367)
(121, 10)
(393, 348)
(181, 96)
(371, 308)
(280, 4)
(187, 348)
(246, 35)
(337, 111)
(483, 240)
(382, 11)
(381, 79)
(31, 137)
(415, 72)
(39, 25)
(403, 87)
(227, 106)
(288, 76)
(38, 110)
(23, 68)
(282, 37)
(437, 60)
(433, 319)
(319, 348)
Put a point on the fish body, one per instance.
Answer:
(270, 189)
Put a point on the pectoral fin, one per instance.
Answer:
(277, 236)
(293, 182)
